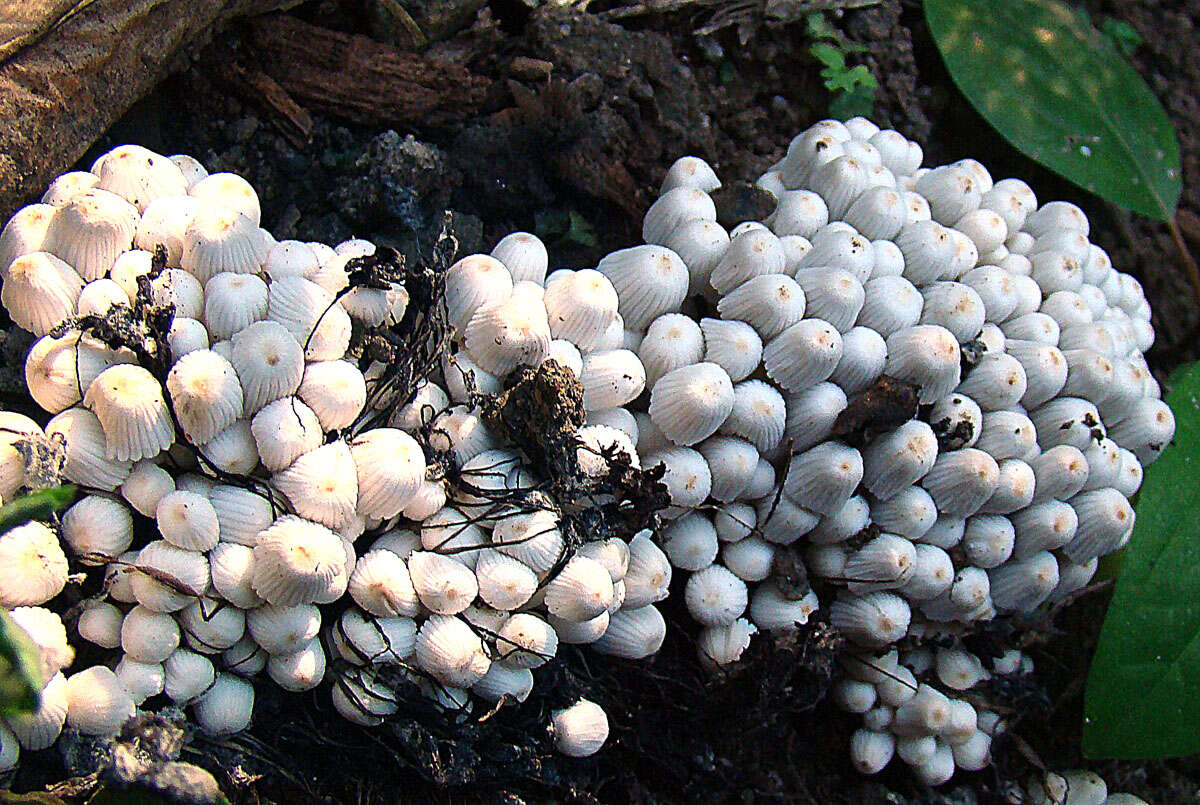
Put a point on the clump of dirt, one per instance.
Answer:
(539, 412)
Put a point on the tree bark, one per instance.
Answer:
(356, 78)
(70, 68)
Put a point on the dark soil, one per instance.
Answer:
(576, 157)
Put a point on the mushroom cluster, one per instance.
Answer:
(914, 706)
(1072, 787)
(914, 388)
(911, 390)
(201, 391)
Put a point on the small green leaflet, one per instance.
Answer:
(1058, 90)
(20, 660)
(20, 668)
(35, 506)
(1143, 692)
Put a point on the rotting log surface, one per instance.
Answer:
(359, 79)
(70, 68)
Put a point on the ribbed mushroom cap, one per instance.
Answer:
(206, 394)
(129, 403)
(579, 730)
(230, 191)
(39, 291)
(97, 703)
(36, 568)
(269, 363)
(689, 404)
(322, 484)
(97, 527)
(24, 233)
(90, 231)
(649, 280)
(283, 431)
(524, 255)
(164, 222)
(187, 520)
(672, 340)
(503, 335)
(87, 461)
(295, 560)
(715, 597)
(226, 707)
(309, 313)
(471, 283)
(232, 302)
(449, 650)
(186, 335)
(611, 378)
(140, 176)
(336, 391)
(580, 307)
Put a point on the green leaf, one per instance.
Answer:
(1143, 691)
(35, 506)
(819, 28)
(20, 669)
(1123, 35)
(858, 102)
(829, 55)
(1058, 90)
(850, 80)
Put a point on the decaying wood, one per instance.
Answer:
(362, 80)
(70, 68)
(255, 86)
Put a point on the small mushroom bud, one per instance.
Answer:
(872, 620)
(839, 246)
(926, 356)
(910, 513)
(732, 345)
(890, 304)
(824, 477)
(450, 650)
(691, 542)
(97, 703)
(579, 730)
(928, 252)
(870, 751)
(227, 706)
(750, 254)
(961, 481)
(832, 294)
(611, 378)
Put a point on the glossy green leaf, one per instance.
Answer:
(35, 506)
(20, 668)
(1123, 35)
(1058, 90)
(1143, 692)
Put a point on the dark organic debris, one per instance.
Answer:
(972, 353)
(790, 573)
(141, 327)
(887, 404)
(742, 201)
(539, 411)
(410, 350)
(952, 435)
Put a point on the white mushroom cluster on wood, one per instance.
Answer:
(279, 475)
